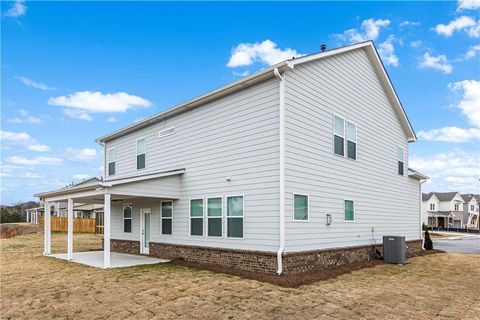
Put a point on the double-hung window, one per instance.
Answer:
(111, 154)
(349, 208)
(235, 217)
(214, 217)
(166, 217)
(196, 217)
(141, 147)
(457, 206)
(339, 136)
(432, 206)
(401, 161)
(127, 217)
(472, 207)
(344, 138)
(300, 207)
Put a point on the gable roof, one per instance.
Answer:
(445, 196)
(426, 196)
(268, 73)
(467, 197)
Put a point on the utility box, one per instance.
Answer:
(394, 249)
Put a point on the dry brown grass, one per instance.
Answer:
(437, 286)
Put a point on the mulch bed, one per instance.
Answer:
(294, 280)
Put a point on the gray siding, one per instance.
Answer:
(345, 85)
(236, 137)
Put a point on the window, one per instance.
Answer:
(166, 217)
(111, 161)
(432, 206)
(351, 141)
(339, 136)
(214, 217)
(300, 207)
(349, 210)
(141, 154)
(457, 206)
(235, 217)
(472, 207)
(127, 217)
(196, 217)
(400, 161)
(431, 221)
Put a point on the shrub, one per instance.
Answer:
(428, 245)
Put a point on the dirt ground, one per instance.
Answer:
(438, 286)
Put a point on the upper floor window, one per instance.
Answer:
(432, 206)
(111, 161)
(345, 129)
(401, 161)
(472, 207)
(457, 206)
(141, 153)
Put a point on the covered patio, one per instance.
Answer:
(155, 186)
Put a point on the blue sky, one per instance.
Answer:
(72, 72)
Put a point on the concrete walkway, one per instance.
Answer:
(117, 260)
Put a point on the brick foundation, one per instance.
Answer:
(305, 261)
(125, 246)
(258, 261)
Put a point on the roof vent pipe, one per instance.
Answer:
(323, 47)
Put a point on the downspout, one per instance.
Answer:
(281, 248)
(421, 222)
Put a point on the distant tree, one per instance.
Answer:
(7, 215)
(428, 245)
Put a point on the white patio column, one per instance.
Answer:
(70, 229)
(106, 231)
(26, 216)
(47, 228)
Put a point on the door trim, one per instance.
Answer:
(144, 250)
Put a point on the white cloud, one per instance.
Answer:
(22, 138)
(469, 102)
(472, 51)
(81, 176)
(77, 114)
(439, 62)
(408, 23)
(81, 104)
(47, 161)
(449, 171)
(369, 30)
(17, 9)
(450, 134)
(241, 74)
(31, 175)
(111, 119)
(25, 118)
(85, 154)
(265, 52)
(416, 44)
(468, 24)
(38, 85)
(387, 51)
(468, 4)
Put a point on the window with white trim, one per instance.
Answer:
(111, 161)
(127, 217)
(235, 216)
(472, 207)
(457, 206)
(196, 217)
(351, 140)
(300, 207)
(167, 217)
(141, 150)
(214, 217)
(349, 207)
(401, 161)
(339, 136)
(432, 206)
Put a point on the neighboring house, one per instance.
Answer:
(471, 210)
(275, 172)
(443, 210)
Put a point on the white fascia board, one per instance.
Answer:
(142, 178)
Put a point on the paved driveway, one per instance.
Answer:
(462, 245)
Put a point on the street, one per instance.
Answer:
(460, 245)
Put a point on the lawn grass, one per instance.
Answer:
(438, 286)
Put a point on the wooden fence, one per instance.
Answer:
(85, 225)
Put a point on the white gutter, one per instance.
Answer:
(281, 248)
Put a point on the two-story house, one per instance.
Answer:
(277, 172)
(443, 210)
(471, 210)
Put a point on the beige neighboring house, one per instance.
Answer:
(471, 211)
(443, 210)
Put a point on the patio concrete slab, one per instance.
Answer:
(117, 260)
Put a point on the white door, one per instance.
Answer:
(145, 230)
